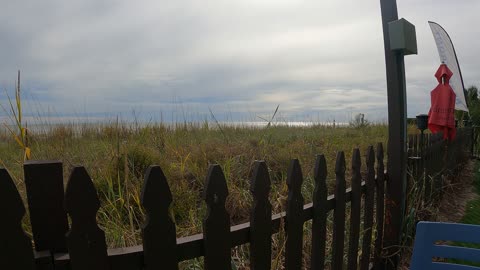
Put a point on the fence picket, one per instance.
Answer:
(85, 240)
(319, 222)
(380, 207)
(216, 225)
(356, 183)
(368, 210)
(294, 219)
(158, 233)
(414, 167)
(339, 212)
(260, 219)
(16, 247)
(428, 168)
(44, 185)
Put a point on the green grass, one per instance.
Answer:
(472, 216)
(116, 155)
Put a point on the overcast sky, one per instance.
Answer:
(318, 60)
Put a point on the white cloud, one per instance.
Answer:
(241, 56)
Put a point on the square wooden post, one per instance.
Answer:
(397, 140)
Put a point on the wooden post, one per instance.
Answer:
(397, 152)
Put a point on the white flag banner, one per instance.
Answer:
(447, 54)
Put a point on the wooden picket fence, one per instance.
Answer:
(81, 244)
(432, 159)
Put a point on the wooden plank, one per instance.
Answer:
(44, 260)
(339, 213)
(319, 222)
(44, 185)
(428, 171)
(355, 210)
(85, 240)
(294, 220)
(380, 207)
(158, 233)
(216, 225)
(415, 163)
(260, 219)
(368, 206)
(15, 246)
(421, 163)
(121, 261)
(411, 157)
(128, 258)
(410, 145)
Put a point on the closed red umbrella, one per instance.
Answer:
(441, 116)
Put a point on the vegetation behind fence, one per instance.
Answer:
(358, 218)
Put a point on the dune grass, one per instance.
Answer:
(117, 154)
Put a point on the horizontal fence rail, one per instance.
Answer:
(82, 245)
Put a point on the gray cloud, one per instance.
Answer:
(240, 58)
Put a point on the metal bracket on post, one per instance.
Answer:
(399, 39)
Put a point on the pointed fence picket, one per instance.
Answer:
(369, 203)
(320, 211)
(260, 219)
(158, 232)
(83, 246)
(355, 208)
(339, 213)
(379, 207)
(15, 243)
(294, 220)
(216, 225)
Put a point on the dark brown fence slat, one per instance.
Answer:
(415, 144)
(355, 210)
(44, 184)
(319, 222)
(260, 219)
(15, 246)
(294, 220)
(86, 241)
(368, 211)
(428, 170)
(410, 148)
(415, 161)
(216, 225)
(158, 232)
(380, 207)
(125, 262)
(339, 213)
(43, 261)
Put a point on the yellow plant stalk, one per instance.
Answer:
(16, 115)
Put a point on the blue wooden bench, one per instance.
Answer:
(426, 248)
